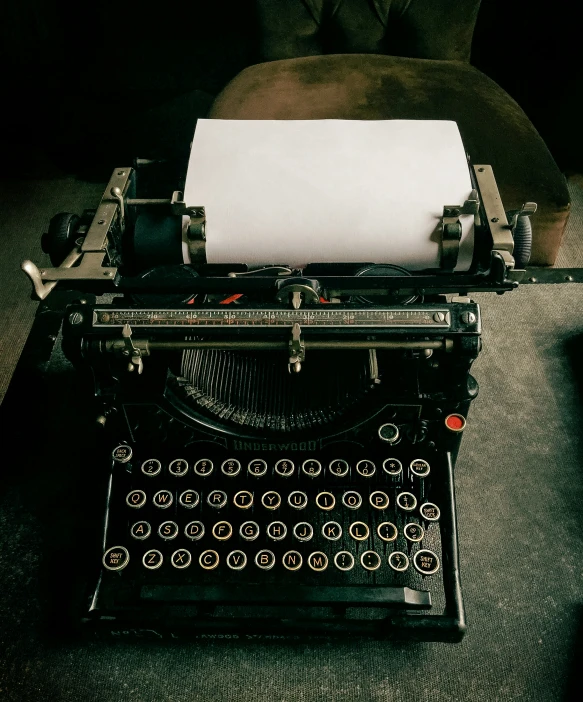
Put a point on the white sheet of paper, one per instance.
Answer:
(306, 191)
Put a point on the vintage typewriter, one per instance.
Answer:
(279, 444)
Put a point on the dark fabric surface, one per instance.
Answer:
(433, 29)
(26, 207)
(519, 493)
(494, 128)
(540, 66)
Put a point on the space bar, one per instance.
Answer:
(348, 596)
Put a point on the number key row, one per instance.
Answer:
(285, 468)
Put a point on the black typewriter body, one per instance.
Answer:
(276, 447)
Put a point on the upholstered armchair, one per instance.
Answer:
(399, 59)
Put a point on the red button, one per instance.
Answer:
(455, 422)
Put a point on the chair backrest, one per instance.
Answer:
(431, 29)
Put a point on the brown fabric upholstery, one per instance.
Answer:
(360, 86)
(433, 29)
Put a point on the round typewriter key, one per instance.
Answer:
(426, 562)
(217, 498)
(366, 469)
(370, 560)
(203, 467)
(387, 531)
(399, 561)
(389, 433)
(284, 467)
(122, 453)
(325, 501)
(303, 531)
(311, 467)
(406, 501)
(178, 467)
(292, 560)
(136, 498)
(209, 560)
(141, 530)
(297, 499)
(455, 422)
(392, 466)
(231, 467)
(379, 499)
(413, 532)
(318, 561)
(189, 499)
(222, 531)
(194, 530)
(163, 499)
(237, 560)
(351, 499)
(359, 531)
(265, 559)
(152, 559)
(168, 530)
(181, 558)
(430, 512)
(151, 467)
(419, 468)
(276, 531)
(344, 560)
(116, 558)
(257, 467)
(332, 531)
(338, 468)
(249, 531)
(271, 500)
(243, 499)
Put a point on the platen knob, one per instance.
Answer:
(389, 433)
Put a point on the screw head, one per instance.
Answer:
(494, 219)
(75, 318)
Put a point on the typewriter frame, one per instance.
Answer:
(95, 266)
(449, 626)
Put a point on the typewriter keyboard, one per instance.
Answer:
(368, 520)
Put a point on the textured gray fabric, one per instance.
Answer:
(571, 251)
(26, 206)
(519, 494)
(519, 491)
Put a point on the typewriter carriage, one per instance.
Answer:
(129, 234)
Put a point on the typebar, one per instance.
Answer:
(351, 596)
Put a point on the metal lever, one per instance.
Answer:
(130, 350)
(40, 288)
(117, 194)
(297, 350)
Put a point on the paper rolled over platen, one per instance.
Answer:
(314, 191)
